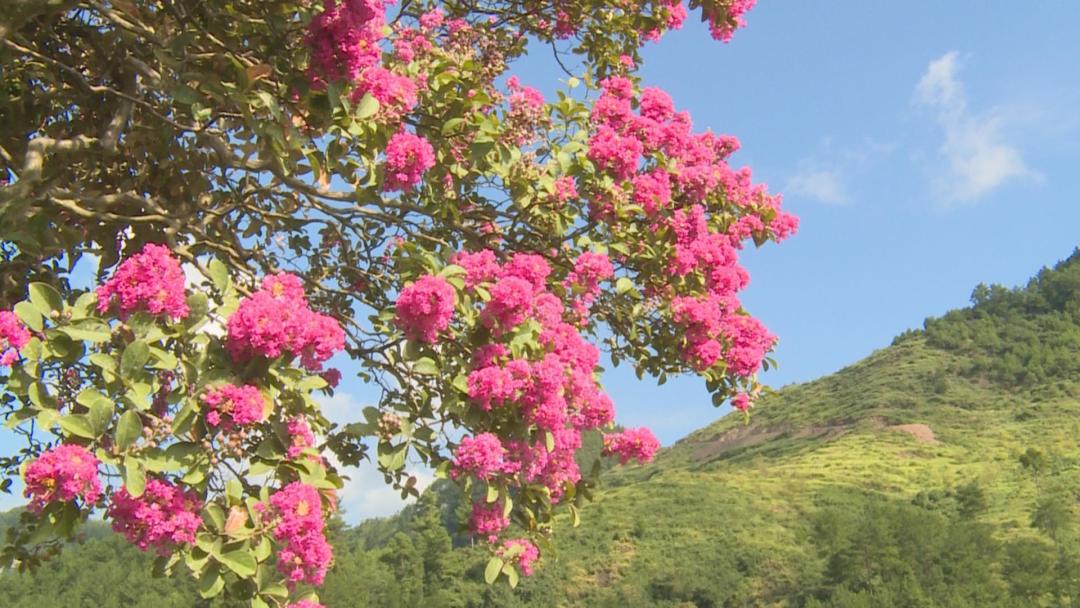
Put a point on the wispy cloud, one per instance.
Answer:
(829, 174)
(824, 185)
(979, 160)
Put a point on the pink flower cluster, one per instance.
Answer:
(298, 515)
(684, 193)
(565, 189)
(408, 157)
(722, 27)
(305, 604)
(163, 517)
(229, 405)
(300, 436)
(741, 402)
(638, 444)
(528, 111)
(715, 330)
(590, 269)
(150, 281)
(13, 336)
(520, 552)
(424, 308)
(482, 457)
(488, 519)
(552, 390)
(62, 474)
(276, 320)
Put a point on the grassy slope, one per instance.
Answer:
(745, 491)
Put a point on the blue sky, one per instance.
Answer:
(927, 147)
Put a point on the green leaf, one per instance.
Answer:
(426, 366)
(623, 285)
(185, 95)
(134, 478)
(392, 458)
(77, 425)
(162, 359)
(101, 414)
(511, 573)
(103, 361)
(263, 549)
(494, 567)
(219, 274)
(128, 430)
(29, 315)
(367, 107)
(134, 358)
(198, 306)
(311, 383)
(40, 396)
(211, 583)
(45, 298)
(88, 329)
(240, 561)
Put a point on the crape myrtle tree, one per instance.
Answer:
(267, 183)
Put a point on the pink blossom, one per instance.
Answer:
(511, 301)
(553, 468)
(300, 437)
(488, 520)
(480, 267)
(297, 517)
(494, 385)
(408, 156)
(652, 190)
(565, 189)
(150, 281)
(590, 269)
(305, 604)
(13, 336)
(305, 559)
(284, 286)
(656, 104)
(276, 320)
(724, 28)
(529, 266)
(162, 517)
(639, 444)
(332, 376)
(62, 474)
(432, 19)
(520, 552)
(396, 94)
(297, 510)
(482, 457)
(741, 402)
(425, 308)
(343, 39)
(615, 153)
(229, 405)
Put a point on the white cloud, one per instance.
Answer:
(830, 173)
(979, 160)
(825, 185)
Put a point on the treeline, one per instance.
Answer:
(1016, 337)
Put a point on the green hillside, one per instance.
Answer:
(941, 470)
